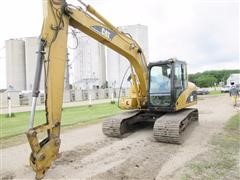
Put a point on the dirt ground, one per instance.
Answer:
(88, 154)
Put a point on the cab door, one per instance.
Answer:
(180, 80)
(160, 83)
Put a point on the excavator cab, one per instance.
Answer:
(167, 80)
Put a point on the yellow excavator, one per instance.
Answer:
(160, 91)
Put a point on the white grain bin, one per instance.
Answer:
(117, 64)
(89, 63)
(31, 50)
(15, 64)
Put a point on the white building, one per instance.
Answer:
(15, 64)
(234, 78)
(117, 64)
(89, 65)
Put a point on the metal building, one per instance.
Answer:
(31, 48)
(89, 63)
(234, 78)
(15, 64)
(117, 64)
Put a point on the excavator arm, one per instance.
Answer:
(52, 55)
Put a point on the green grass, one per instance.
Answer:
(222, 161)
(70, 116)
(215, 92)
(233, 124)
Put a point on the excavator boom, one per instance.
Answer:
(52, 55)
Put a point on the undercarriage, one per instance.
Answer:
(168, 127)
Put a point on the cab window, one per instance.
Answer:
(180, 78)
(160, 79)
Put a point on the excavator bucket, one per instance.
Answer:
(43, 153)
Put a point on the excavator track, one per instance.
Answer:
(118, 125)
(169, 127)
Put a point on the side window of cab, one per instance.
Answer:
(180, 78)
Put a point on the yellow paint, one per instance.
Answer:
(54, 32)
(182, 99)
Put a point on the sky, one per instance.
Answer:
(204, 33)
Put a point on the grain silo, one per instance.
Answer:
(117, 64)
(89, 63)
(15, 64)
(31, 48)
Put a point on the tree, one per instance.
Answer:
(206, 81)
(213, 76)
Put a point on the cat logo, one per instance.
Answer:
(104, 32)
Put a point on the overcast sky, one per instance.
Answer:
(205, 33)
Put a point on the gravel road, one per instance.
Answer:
(87, 154)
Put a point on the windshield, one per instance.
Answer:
(160, 85)
(160, 79)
